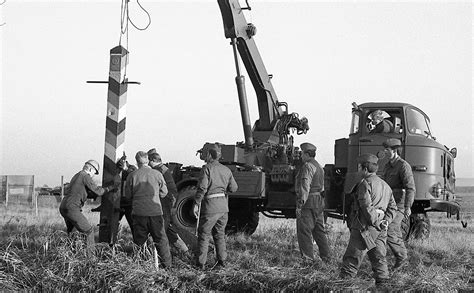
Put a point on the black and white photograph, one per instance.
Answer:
(236, 145)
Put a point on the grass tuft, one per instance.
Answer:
(36, 254)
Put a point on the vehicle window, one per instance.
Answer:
(417, 123)
(383, 121)
(355, 122)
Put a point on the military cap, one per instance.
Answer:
(152, 151)
(306, 146)
(367, 158)
(154, 157)
(392, 142)
(152, 154)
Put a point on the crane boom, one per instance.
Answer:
(237, 28)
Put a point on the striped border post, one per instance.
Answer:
(114, 143)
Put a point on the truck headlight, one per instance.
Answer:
(437, 190)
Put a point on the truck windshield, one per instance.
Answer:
(355, 122)
(417, 123)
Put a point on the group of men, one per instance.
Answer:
(148, 196)
(378, 207)
(377, 210)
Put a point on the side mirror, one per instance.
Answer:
(454, 152)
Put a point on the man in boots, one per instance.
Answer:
(373, 208)
(310, 205)
(398, 175)
(211, 206)
(168, 202)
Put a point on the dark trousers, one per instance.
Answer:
(311, 226)
(170, 231)
(395, 238)
(356, 250)
(75, 219)
(212, 224)
(144, 226)
(127, 212)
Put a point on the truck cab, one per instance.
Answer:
(432, 162)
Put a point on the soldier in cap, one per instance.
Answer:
(373, 209)
(378, 123)
(145, 187)
(211, 206)
(310, 205)
(124, 168)
(399, 176)
(168, 202)
(81, 187)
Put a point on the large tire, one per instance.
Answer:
(184, 218)
(418, 226)
(243, 217)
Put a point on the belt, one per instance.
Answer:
(215, 195)
(315, 193)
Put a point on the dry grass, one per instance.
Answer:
(36, 254)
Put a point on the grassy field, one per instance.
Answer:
(36, 254)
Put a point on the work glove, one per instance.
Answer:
(298, 213)
(172, 200)
(112, 188)
(122, 163)
(196, 210)
(407, 212)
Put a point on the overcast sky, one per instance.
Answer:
(323, 56)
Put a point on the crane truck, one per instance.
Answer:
(432, 163)
(265, 163)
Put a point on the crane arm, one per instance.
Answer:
(237, 29)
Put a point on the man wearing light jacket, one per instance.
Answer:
(145, 187)
(211, 206)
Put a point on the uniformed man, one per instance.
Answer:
(81, 187)
(124, 168)
(211, 206)
(379, 124)
(372, 210)
(398, 175)
(310, 205)
(145, 187)
(168, 202)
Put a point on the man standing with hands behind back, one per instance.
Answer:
(310, 205)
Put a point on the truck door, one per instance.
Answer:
(374, 133)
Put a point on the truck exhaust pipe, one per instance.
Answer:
(244, 109)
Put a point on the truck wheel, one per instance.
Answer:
(421, 226)
(184, 217)
(242, 218)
